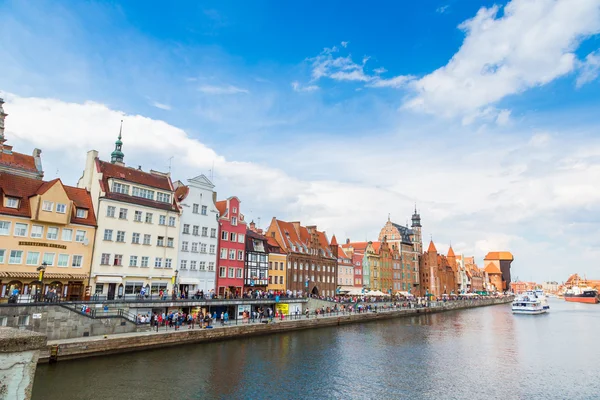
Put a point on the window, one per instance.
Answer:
(224, 235)
(238, 273)
(204, 231)
(233, 237)
(47, 206)
(204, 209)
(108, 234)
(231, 272)
(196, 230)
(223, 254)
(241, 238)
(81, 213)
(270, 265)
(211, 266)
(144, 193)
(234, 210)
(171, 221)
(122, 213)
(133, 261)
(183, 264)
(148, 218)
(203, 248)
(121, 236)
(184, 246)
(162, 220)
(23, 320)
(170, 242)
(48, 259)
(158, 262)
(193, 265)
(213, 232)
(160, 241)
(16, 257)
(234, 221)
(133, 287)
(202, 265)
(99, 288)
(163, 197)
(147, 239)
(21, 229)
(80, 236)
(120, 188)
(105, 259)
(33, 257)
(110, 211)
(212, 249)
(2, 254)
(145, 261)
(11, 202)
(61, 208)
(137, 216)
(194, 247)
(281, 266)
(4, 228)
(52, 233)
(240, 255)
(118, 261)
(195, 208)
(186, 228)
(231, 254)
(77, 261)
(221, 272)
(168, 262)
(63, 260)
(67, 235)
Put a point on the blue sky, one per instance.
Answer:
(483, 113)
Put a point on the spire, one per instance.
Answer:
(416, 218)
(333, 241)
(431, 248)
(3, 115)
(117, 155)
(451, 252)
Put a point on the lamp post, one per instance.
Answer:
(175, 285)
(41, 270)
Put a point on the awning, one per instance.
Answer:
(109, 279)
(345, 289)
(188, 281)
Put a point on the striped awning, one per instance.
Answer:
(48, 275)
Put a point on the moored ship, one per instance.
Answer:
(582, 295)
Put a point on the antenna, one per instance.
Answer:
(258, 221)
(170, 159)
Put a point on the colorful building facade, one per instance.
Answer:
(232, 248)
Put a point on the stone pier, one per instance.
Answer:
(19, 353)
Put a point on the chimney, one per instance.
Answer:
(38, 161)
(348, 241)
(139, 167)
(252, 226)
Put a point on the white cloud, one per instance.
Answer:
(396, 82)
(297, 87)
(226, 89)
(530, 45)
(503, 117)
(380, 70)
(589, 68)
(162, 106)
(442, 9)
(345, 44)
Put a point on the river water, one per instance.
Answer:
(470, 354)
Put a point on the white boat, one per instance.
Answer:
(539, 293)
(526, 304)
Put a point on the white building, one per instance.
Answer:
(138, 227)
(198, 236)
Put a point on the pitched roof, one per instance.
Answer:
(492, 269)
(431, 247)
(133, 175)
(222, 207)
(333, 241)
(24, 188)
(301, 237)
(357, 246)
(451, 252)
(499, 255)
(181, 192)
(17, 160)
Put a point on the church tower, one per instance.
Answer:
(416, 227)
(116, 157)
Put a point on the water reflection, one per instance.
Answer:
(486, 352)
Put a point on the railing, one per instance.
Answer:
(105, 312)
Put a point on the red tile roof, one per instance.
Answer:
(301, 237)
(492, 269)
(181, 192)
(451, 252)
(133, 175)
(222, 207)
(334, 241)
(499, 255)
(18, 160)
(431, 247)
(24, 188)
(357, 246)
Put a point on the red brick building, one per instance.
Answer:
(438, 273)
(232, 246)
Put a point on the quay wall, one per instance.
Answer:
(97, 346)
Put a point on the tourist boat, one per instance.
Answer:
(540, 295)
(528, 304)
(582, 295)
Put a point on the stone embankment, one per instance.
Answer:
(119, 343)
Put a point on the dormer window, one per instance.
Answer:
(143, 193)
(81, 213)
(12, 202)
(48, 206)
(120, 188)
(163, 197)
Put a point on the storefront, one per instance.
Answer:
(55, 286)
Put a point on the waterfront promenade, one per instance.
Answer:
(165, 336)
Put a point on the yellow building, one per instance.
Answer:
(277, 267)
(49, 226)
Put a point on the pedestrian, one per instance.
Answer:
(226, 317)
(222, 318)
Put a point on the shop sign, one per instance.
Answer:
(41, 244)
(283, 308)
(37, 316)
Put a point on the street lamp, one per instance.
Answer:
(41, 269)
(175, 284)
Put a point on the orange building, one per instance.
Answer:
(498, 262)
(438, 273)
